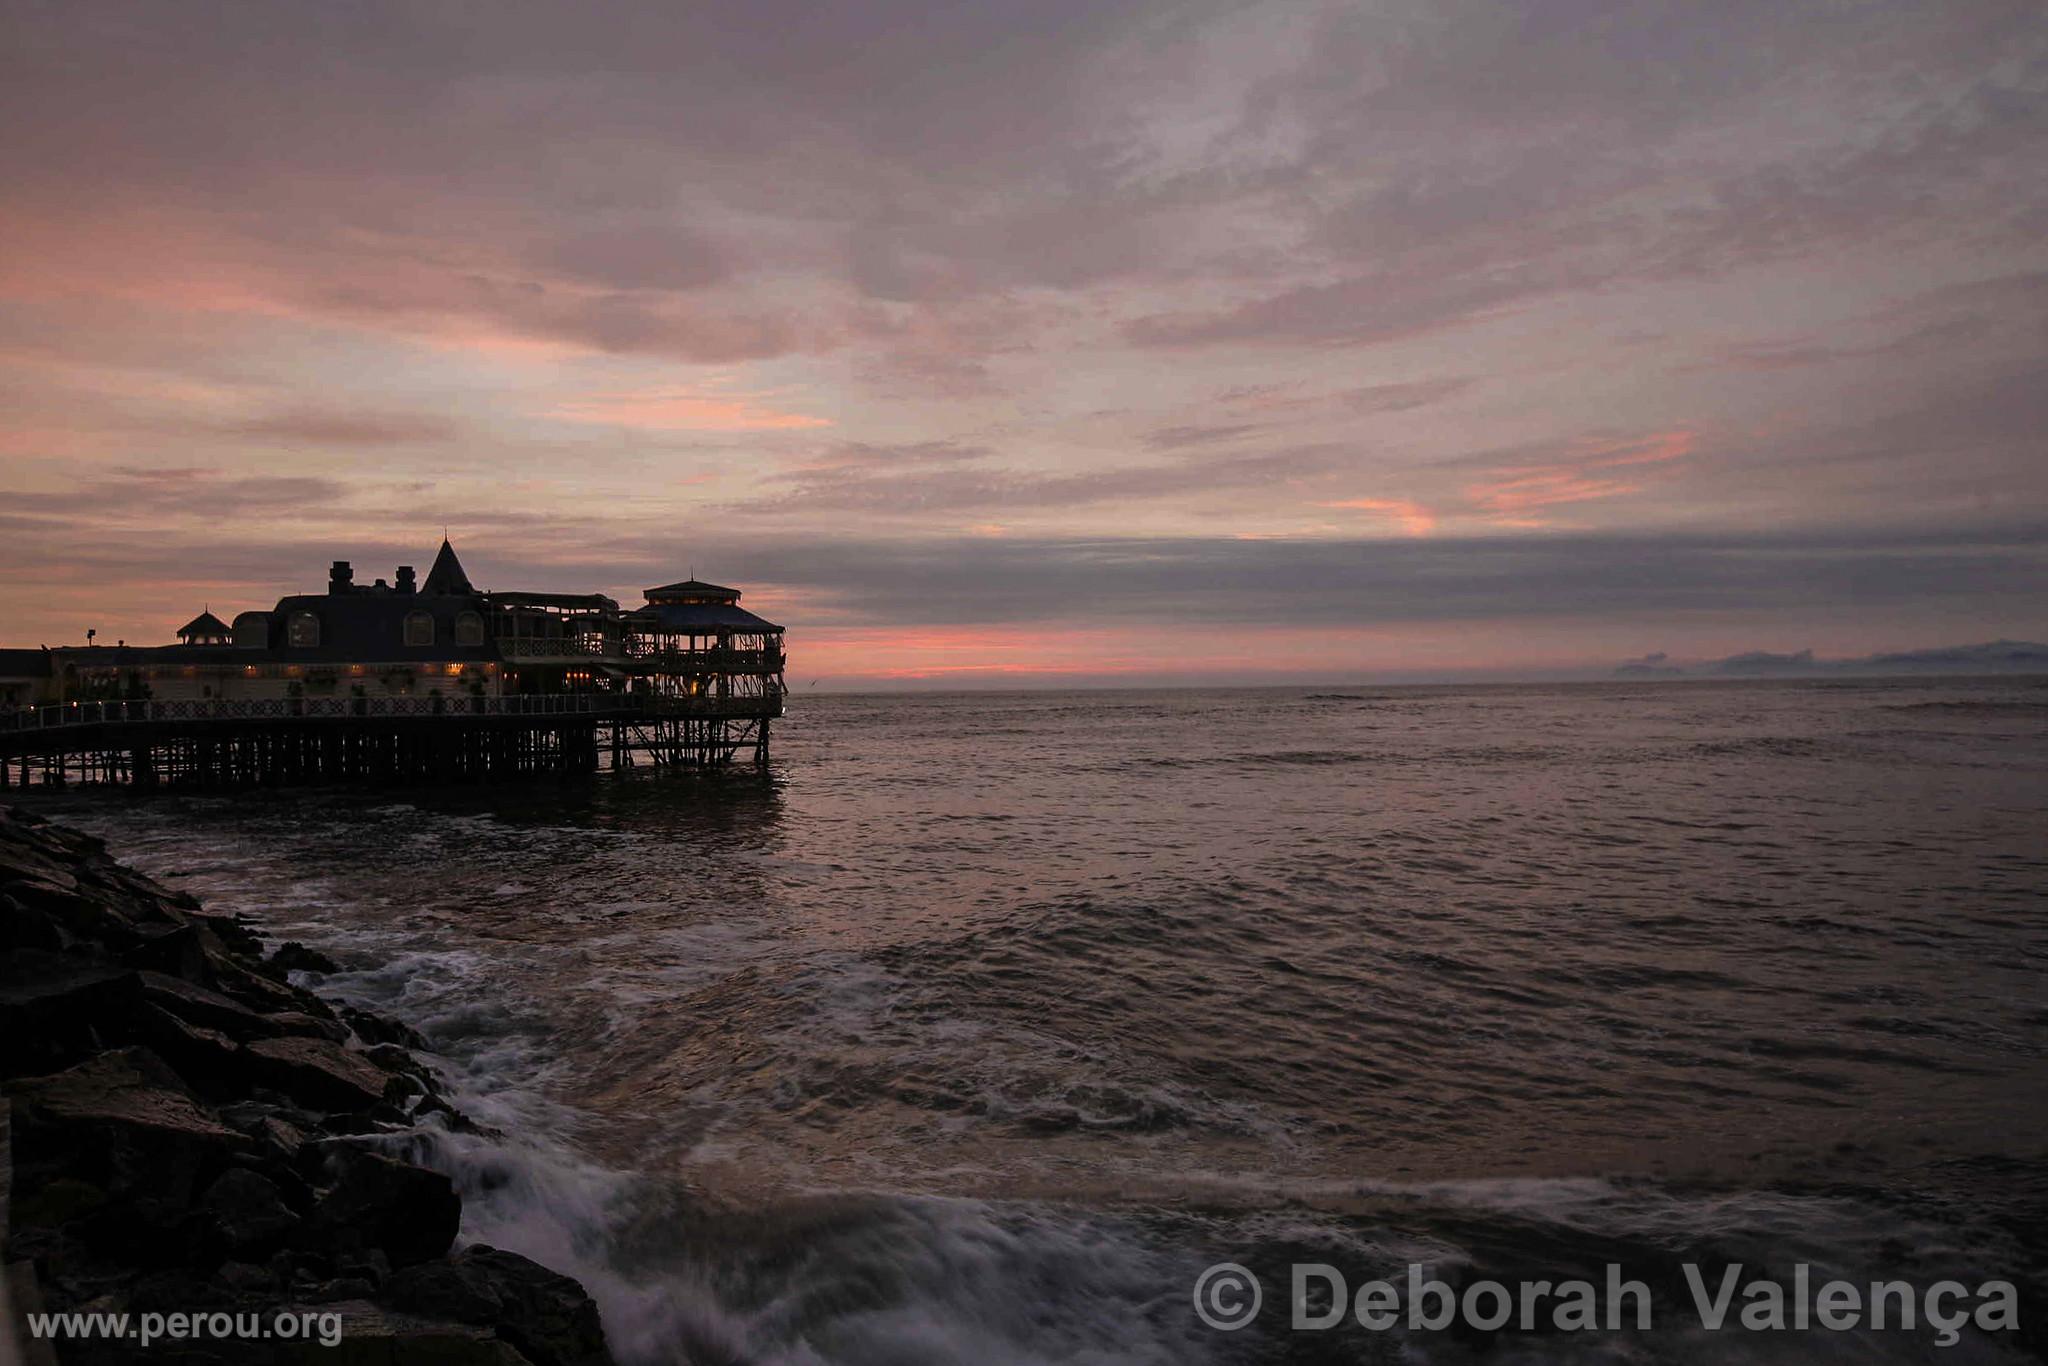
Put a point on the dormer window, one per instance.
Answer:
(302, 631)
(419, 628)
(469, 628)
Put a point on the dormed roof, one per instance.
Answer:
(370, 628)
(693, 590)
(446, 577)
(205, 624)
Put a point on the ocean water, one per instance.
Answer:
(980, 1024)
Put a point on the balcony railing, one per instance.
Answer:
(555, 647)
(708, 661)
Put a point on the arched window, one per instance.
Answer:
(469, 629)
(252, 631)
(419, 628)
(303, 630)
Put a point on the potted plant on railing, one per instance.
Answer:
(358, 699)
(295, 698)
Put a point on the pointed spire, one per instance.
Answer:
(446, 576)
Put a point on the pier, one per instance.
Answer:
(405, 685)
(374, 740)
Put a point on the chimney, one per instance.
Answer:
(405, 579)
(341, 578)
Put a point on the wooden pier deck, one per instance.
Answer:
(379, 740)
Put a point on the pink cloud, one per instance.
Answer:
(1513, 494)
(684, 410)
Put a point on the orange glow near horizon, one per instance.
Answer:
(681, 410)
(1040, 653)
(1414, 518)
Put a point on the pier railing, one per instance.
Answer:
(570, 648)
(149, 710)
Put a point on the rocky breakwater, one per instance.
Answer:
(184, 1132)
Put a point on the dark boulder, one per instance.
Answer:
(232, 932)
(123, 1121)
(211, 1058)
(171, 1121)
(376, 1029)
(109, 1156)
(547, 1316)
(408, 1212)
(55, 1008)
(167, 947)
(20, 929)
(248, 1211)
(317, 1073)
(293, 956)
(277, 1132)
(205, 1006)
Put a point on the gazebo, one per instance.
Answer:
(205, 629)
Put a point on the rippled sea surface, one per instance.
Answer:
(980, 1024)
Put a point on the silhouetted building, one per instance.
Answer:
(441, 636)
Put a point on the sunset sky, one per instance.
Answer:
(1043, 342)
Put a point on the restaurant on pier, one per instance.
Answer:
(421, 679)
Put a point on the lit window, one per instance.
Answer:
(469, 629)
(419, 628)
(303, 632)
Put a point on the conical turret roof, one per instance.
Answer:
(446, 576)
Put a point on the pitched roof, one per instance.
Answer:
(205, 624)
(692, 588)
(702, 616)
(446, 576)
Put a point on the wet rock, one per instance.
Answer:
(547, 1316)
(193, 1049)
(313, 1026)
(407, 1212)
(277, 1134)
(249, 1211)
(21, 930)
(232, 932)
(122, 1120)
(432, 1105)
(293, 956)
(21, 859)
(162, 946)
(392, 1058)
(245, 1280)
(108, 1158)
(173, 1108)
(340, 1288)
(317, 1073)
(54, 1007)
(375, 1029)
(204, 1006)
